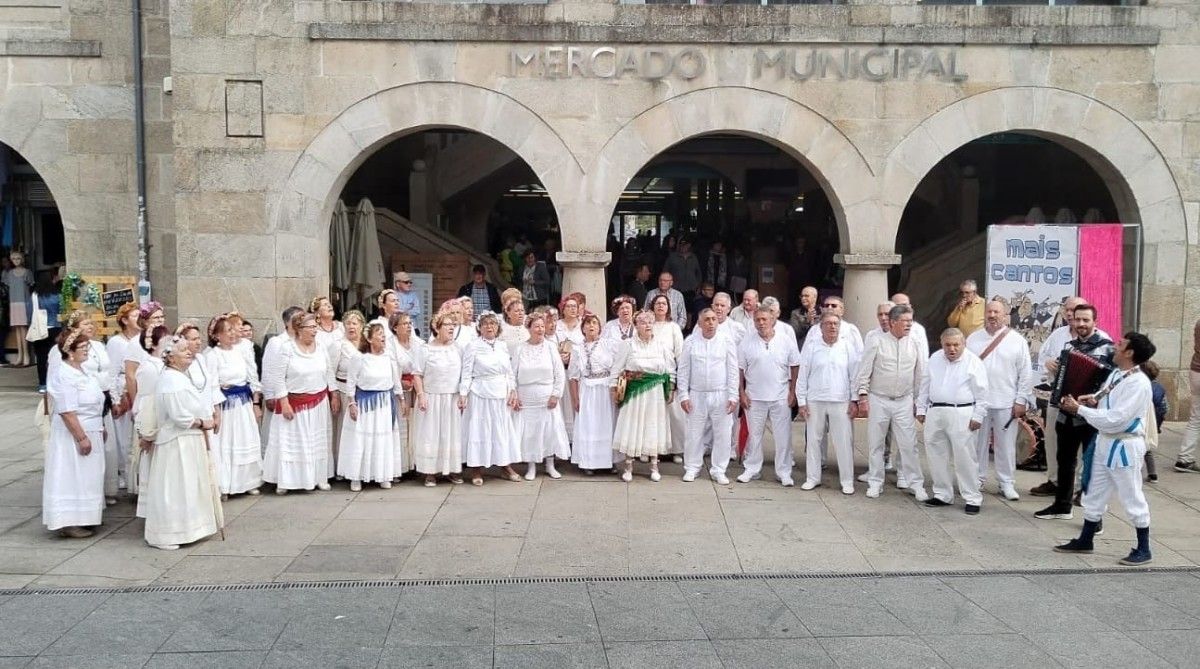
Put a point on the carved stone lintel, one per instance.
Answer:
(867, 260)
(584, 259)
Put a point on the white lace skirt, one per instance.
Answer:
(489, 433)
(298, 453)
(368, 450)
(236, 451)
(540, 430)
(437, 435)
(592, 447)
(73, 484)
(644, 426)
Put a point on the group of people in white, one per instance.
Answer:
(183, 426)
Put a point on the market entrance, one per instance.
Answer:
(753, 216)
(445, 200)
(31, 239)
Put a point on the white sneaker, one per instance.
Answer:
(356, 486)
(919, 493)
(847, 490)
(787, 482)
(627, 476)
(166, 547)
(873, 490)
(655, 476)
(688, 477)
(746, 477)
(323, 486)
(531, 473)
(280, 491)
(253, 492)
(1009, 492)
(864, 477)
(678, 459)
(552, 472)
(386, 485)
(901, 483)
(808, 485)
(721, 479)
(889, 466)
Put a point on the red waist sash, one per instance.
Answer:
(303, 401)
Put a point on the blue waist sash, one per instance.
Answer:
(371, 400)
(236, 395)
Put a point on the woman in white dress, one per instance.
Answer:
(368, 440)
(98, 366)
(621, 328)
(487, 388)
(329, 331)
(299, 379)
(437, 422)
(343, 354)
(568, 333)
(150, 316)
(181, 501)
(647, 365)
(595, 412)
(513, 330)
(541, 381)
(236, 446)
(73, 484)
(144, 423)
(464, 331)
(667, 329)
(118, 347)
(403, 347)
(389, 304)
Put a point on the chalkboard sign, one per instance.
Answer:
(114, 299)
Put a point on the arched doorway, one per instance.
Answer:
(448, 199)
(752, 214)
(31, 225)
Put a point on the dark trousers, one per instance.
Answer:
(42, 352)
(1071, 439)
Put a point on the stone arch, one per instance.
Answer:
(1137, 175)
(34, 138)
(304, 204)
(804, 134)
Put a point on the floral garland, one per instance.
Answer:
(75, 288)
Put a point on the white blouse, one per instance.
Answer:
(98, 365)
(487, 370)
(295, 371)
(371, 371)
(513, 334)
(231, 369)
(117, 347)
(614, 330)
(203, 375)
(669, 330)
(439, 366)
(539, 364)
(592, 360)
(179, 403)
(652, 357)
(342, 358)
(77, 392)
(329, 340)
(573, 335)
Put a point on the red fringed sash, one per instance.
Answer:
(303, 401)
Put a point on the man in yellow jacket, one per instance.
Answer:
(968, 313)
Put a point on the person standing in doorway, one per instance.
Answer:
(19, 281)
(685, 267)
(968, 313)
(666, 283)
(535, 281)
(483, 293)
(407, 301)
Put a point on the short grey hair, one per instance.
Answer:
(950, 333)
(770, 302)
(764, 309)
(723, 296)
(899, 310)
(830, 314)
(886, 305)
(969, 283)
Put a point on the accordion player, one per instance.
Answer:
(1078, 374)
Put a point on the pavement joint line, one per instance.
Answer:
(663, 578)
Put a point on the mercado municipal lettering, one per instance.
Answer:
(880, 63)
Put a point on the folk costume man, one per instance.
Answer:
(824, 383)
(952, 406)
(768, 360)
(886, 386)
(1005, 356)
(1118, 413)
(708, 393)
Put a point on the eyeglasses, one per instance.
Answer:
(308, 327)
(405, 281)
(829, 305)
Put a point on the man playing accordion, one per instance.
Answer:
(1072, 431)
(1121, 412)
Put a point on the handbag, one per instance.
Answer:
(38, 326)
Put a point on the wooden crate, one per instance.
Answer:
(106, 326)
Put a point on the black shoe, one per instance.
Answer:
(933, 501)
(1046, 489)
(1136, 558)
(1077, 498)
(1187, 467)
(1099, 528)
(1032, 465)
(1074, 546)
(972, 509)
(1054, 512)
(1153, 478)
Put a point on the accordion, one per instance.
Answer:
(1078, 374)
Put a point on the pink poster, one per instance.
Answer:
(1100, 261)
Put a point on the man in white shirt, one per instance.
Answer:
(678, 307)
(772, 303)
(881, 315)
(707, 380)
(887, 382)
(951, 405)
(918, 330)
(722, 304)
(848, 331)
(1005, 356)
(768, 360)
(823, 386)
(744, 313)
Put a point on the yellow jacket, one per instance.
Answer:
(968, 318)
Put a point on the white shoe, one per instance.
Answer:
(901, 483)
(873, 490)
(531, 473)
(1009, 492)
(847, 490)
(688, 477)
(864, 477)
(324, 486)
(721, 479)
(552, 472)
(655, 476)
(808, 485)
(678, 459)
(919, 493)
(787, 482)
(746, 477)
(889, 466)
(166, 547)
(253, 492)
(281, 491)
(627, 476)
(386, 485)
(356, 486)
(121, 485)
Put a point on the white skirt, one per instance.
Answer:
(298, 453)
(368, 450)
(73, 484)
(678, 421)
(437, 435)
(236, 451)
(112, 449)
(644, 426)
(403, 431)
(568, 413)
(180, 499)
(540, 430)
(123, 429)
(594, 424)
(490, 438)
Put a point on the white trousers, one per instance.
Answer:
(896, 414)
(779, 415)
(1050, 438)
(1191, 436)
(1004, 445)
(834, 417)
(948, 435)
(1117, 466)
(707, 420)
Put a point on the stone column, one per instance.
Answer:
(583, 271)
(418, 194)
(865, 285)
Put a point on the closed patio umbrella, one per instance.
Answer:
(339, 250)
(366, 266)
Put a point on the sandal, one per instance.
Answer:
(456, 480)
(430, 482)
(478, 480)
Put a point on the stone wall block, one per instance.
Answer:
(1191, 212)
(1137, 101)
(1169, 344)
(297, 57)
(1179, 102)
(1167, 136)
(221, 213)
(1080, 69)
(1176, 63)
(104, 173)
(869, 228)
(1170, 264)
(225, 254)
(364, 122)
(1163, 223)
(199, 92)
(954, 129)
(312, 177)
(918, 153)
(1022, 108)
(1161, 306)
(1030, 67)
(200, 130)
(100, 136)
(331, 95)
(204, 296)
(1154, 183)
(208, 55)
(986, 119)
(299, 256)
(848, 180)
(86, 102)
(292, 131)
(289, 291)
(271, 18)
(199, 18)
(294, 211)
(799, 129)
(40, 71)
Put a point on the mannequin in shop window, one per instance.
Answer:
(19, 282)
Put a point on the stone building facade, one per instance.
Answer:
(275, 103)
